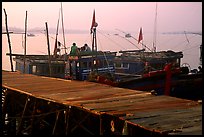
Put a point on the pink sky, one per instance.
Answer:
(128, 16)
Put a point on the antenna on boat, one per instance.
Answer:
(155, 31)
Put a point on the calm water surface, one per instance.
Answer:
(105, 42)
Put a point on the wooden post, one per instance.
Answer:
(101, 125)
(8, 41)
(32, 116)
(22, 116)
(48, 44)
(54, 128)
(24, 67)
(67, 120)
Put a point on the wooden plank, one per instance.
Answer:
(163, 113)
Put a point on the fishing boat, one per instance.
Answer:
(31, 35)
(67, 66)
(79, 66)
(175, 82)
(140, 61)
(159, 72)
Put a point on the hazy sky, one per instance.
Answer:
(128, 16)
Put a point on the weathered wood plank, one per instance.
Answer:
(162, 113)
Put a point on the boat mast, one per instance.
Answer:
(48, 44)
(24, 67)
(63, 29)
(155, 31)
(93, 32)
(55, 49)
(94, 42)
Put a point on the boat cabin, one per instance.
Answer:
(80, 66)
(76, 67)
(39, 65)
(140, 62)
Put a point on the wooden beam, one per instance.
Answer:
(10, 51)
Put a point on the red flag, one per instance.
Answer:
(93, 21)
(140, 36)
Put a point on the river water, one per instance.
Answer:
(189, 44)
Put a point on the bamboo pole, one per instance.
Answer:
(63, 29)
(10, 51)
(48, 44)
(24, 59)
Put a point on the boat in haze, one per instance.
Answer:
(31, 35)
(157, 72)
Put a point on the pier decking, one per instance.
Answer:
(42, 105)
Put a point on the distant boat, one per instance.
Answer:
(30, 35)
(128, 35)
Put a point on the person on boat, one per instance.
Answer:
(147, 67)
(82, 48)
(200, 70)
(74, 49)
(87, 48)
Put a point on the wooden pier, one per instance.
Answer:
(35, 105)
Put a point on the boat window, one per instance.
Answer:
(18, 66)
(118, 65)
(84, 65)
(39, 69)
(58, 69)
(177, 62)
(99, 63)
(45, 69)
(77, 64)
(53, 70)
(94, 62)
(108, 62)
(34, 69)
(125, 65)
(90, 64)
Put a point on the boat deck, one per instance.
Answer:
(163, 114)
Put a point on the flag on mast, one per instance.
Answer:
(140, 36)
(94, 24)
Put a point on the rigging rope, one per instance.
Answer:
(105, 56)
(111, 40)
